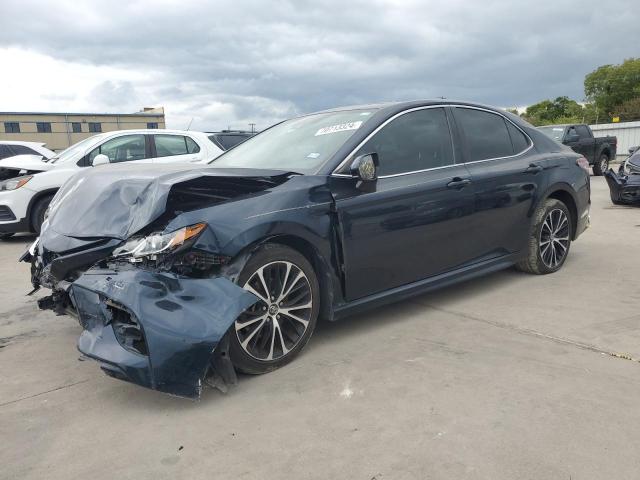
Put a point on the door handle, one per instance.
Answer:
(533, 168)
(458, 183)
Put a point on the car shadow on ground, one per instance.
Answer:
(361, 324)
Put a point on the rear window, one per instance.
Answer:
(22, 150)
(5, 152)
(486, 134)
(227, 141)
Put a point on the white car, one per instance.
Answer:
(29, 186)
(10, 148)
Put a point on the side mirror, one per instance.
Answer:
(365, 167)
(100, 159)
(573, 137)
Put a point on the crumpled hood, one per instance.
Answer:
(116, 201)
(32, 163)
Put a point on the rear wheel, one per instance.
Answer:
(272, 332)
(550, 239)
(37, 214)
(602, 165)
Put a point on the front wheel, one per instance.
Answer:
(272, 332)
(38, 213)
(601, 166)
(550, 240)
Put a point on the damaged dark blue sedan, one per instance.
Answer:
(183, 275)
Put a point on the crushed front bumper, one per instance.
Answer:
(624, 189)
(156, 329)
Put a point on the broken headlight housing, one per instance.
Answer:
(159, 243)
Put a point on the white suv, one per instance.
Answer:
(25, 196)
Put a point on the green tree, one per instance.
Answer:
(560, 110)
(629, 111)
(610, 86)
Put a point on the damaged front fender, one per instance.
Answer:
(156, 329)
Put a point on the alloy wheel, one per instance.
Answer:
(554, 238)
(604, 164)
(274, 325)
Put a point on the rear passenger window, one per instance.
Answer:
(414, 141)
(170, 145)
(518, 139)
(485, 133)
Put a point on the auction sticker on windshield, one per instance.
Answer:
(339, 128)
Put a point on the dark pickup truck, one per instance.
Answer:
(597, 150)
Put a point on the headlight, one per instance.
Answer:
(15, 183)
(157, 243)
(630, 169)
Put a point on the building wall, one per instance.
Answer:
(62, 135)
(628, 134)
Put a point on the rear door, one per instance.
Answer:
(174, 148)
(507, 175)
(414, 222)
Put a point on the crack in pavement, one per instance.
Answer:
(533, 333)
(43, 393)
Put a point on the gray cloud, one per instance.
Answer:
(231, 62)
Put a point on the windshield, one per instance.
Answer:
(299, 145)
(72, 152)
(555, 133)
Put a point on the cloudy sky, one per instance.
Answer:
(227, 63)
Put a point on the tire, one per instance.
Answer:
(551, 216)
(37, 213)
(616, 202)
(601, 166)
(5, 236)
(254, 347)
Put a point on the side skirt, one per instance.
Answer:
(432, 283)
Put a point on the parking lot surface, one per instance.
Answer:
(507, 376)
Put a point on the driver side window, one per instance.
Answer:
(121, 149)
(412, 142)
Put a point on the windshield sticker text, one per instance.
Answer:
(339, 128)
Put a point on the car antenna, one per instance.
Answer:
(190, 122)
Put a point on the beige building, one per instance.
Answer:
(61, 130)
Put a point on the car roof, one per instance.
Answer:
(154, 130)
(19, 142)
(400, 106)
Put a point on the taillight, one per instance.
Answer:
(582, 162)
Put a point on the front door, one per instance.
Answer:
(124, 148)
(414, 223)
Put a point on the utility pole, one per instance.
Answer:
(253, 127)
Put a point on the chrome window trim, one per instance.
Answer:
(381, 126)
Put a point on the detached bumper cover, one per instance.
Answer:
(181, 322)
(623, 188)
